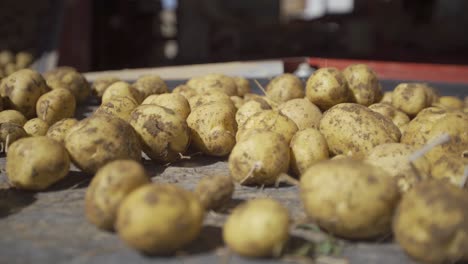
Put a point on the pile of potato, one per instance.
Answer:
(10, 62)
(369, 163)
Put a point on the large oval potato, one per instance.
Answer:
(285, 87)
(149, 84)
(302, 112)
(121, 106)
(308, 147)
(363, 84)
(353, 129)
(399, 118)
(56, 105)
(213, 82)
(268, 120)
(327, 87)
(349, 198)
(12, 116)
(59, 130)
(173, 101)
(119, 89)
(250, 108)
(69, 78)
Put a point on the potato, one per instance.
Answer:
(149, 84)
(302, 112)
(214, 191)
(109, 187)
(35, 163)
(268, 120)
(120, 89)
(6, 57)
(10, 68)
(250, 108)
(349, 198)
(211, 97)
(242, 84)
(399, 118)
(21, 91)
(252, 96)
(449, 167)
(178, 222)
(432, 94)
(173, 101)
(12, 116)
(9, 133)
(308, 147)
(450, 102)
(99, 139)
(185, 90)
(164, 135)
(56, 105)
(100, 85)
(36, 127)
(386, 98)
(237, 101)
(363, 84)
(430, 223)
(285, 87)
(213, 82)
(59, 130)
(327, 87)
(259, 159)
(120, 107)
(417, 131)
(213, 128)
(257, 228)
(411, 98)
(69, 78)
(354, 129)
(24, 59)
(393, 159)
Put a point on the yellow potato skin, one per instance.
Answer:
(411, 98)
(100, 85)
(210, 97)
(449, 167)
(353, 129)
(212, 83)
(121, 107)
(119, 89)
(327, 87)
(179, 217)
(302, 112)
(386, 98)
(56, 105)
(257, 228)
(59, 130)
(399, 118)
(9, 133)
(250, 108)
(450, 102)
(69, 78)
(308, 147)
(284, 88)
(430, 223)
(36, 127)
(243, 85)
(174, 101)
(418, 129)
(12, 116)
(185, 90)
(214, 191)
(268, 120)
(363, 84)
(149, 84)
(109, 187)
(35, 163)
(349, 198)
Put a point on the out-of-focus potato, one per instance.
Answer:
(12, 116)
(449, 102)
(353, 129)
(213, 83)
(56, 105)
(36, 127)
(451, 168)
(363, 84)
(349, 198)
(411, 98)
(6, 57)
(69, 78)
(430, 222)
(120, 89)
(308, 147)
(268, 120)
(59, 130)
(173, 101)
(100, 85)
(211, 97)
(10, 68)
(185, 90)
(149, 84)
(9, 133)
(23, 59)
(417, 131)
(214, 191)
(237, 101)
(327, 87)
(386, 98)
(120, 107)
(243, 85)
(302, 112)
(284, 88)
(399, 118)
(250, 108)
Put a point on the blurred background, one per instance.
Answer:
(94, 35)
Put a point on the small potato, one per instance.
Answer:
(120, 89)
(214, 191)
(149, 84)
(163, 134)
(353, 129)
(173, 101)
(179, 217)
(185, 90)
(432, 94)
(257, 228)
(100, 85)
(417, 131)
(349, 198)
(250, 108)
(213, 128)
(302, 112)
(327, 87)
(36, 127)
(109, 187)
(211, 97)
(35, 163)
(99, 139)
(411, 98)
(6, 57)
(393, 159)
(237, 101)
(9, 133)
(21, 91)
(450, 102)
(59, 130)
(120, 107)
(213, 83)
(268, 120)
(243, 85)
(259, 159)
(399, 118)
(69, 78)
(363, 84)
(430, 223)
(284, 88)
(56, 105)
(308, 147)
(12, 116)
(24, 59)
(451, 168)
(386, 98)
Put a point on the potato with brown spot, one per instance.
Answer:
(214, 191)
(35, 163)
(59, 130)
(210, 97)
(100, 85)
(163, 134)
(69, 78)
(21, 90)
(99, 139)
(349, 198)
(185, 90)
(363, 84)
(120, 89)
(327, 87)
(174, 101)
(213, 128)
(250, 108)
(36, 127)
(302, 112)
(308, 147)
(178, 222)
(285, 87)
(121, 107)
(242, 84)
(213, 83)
(450, 167)
(399, 118)
(12, 116)
(149, 84)
(411, 98)
(257, 228)
(109, 187)
(417, 131)
(353, 129)
(9, 133)
(430, 223)
(56, 105)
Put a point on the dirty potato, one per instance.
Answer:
(59, 130)
(121, 107)
(308, 147)
(69, 78)
(12, 116)
(284, 88)
(399, 118)
(327, 87)
(9, 133)
(149, 84)
(210, 97)
(386, 98)
(214, 191)
(173, 101)
(450, 102)
(213, 82)
(242, 84)
(411, 98)
(418, 129)
(36, 127)
(120, 89)
(363, 84)
(302, 112)
(268, 120)
(185, 90)
(100, 85)
(237, 101)
(250, 108)
(56, 105)
(450, 167)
